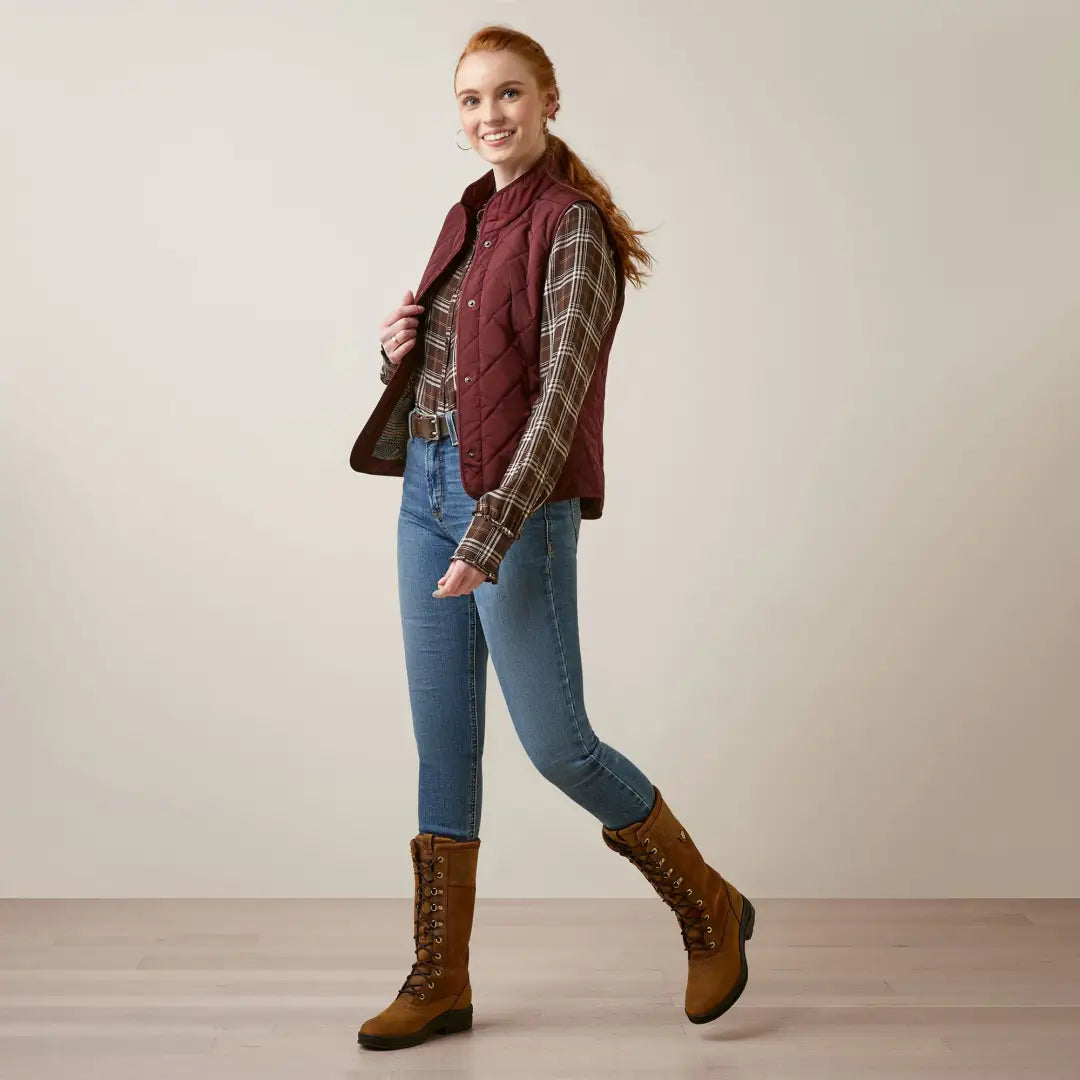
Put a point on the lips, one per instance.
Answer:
(497, 142)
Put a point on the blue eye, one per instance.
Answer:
(508, 90)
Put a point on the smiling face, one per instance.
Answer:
(496, 93)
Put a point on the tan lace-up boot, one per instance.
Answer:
(716, 920)
(436, 997)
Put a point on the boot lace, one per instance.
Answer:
(424, 968)
(694, 925)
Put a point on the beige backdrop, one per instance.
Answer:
(848, 400)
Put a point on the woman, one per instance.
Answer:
(493, 417)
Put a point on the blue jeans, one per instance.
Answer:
(529, 623)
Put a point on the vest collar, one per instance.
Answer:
(508, 202)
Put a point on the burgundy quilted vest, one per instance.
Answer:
(498, 341)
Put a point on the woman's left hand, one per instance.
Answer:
(461, 578)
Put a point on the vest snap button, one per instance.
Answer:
(468, 378)
(472, 303)
(487, 243)
(471, 454)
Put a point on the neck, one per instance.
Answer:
(507, 174)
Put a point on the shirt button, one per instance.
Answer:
(472, 303)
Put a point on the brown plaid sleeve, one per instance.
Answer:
(388, 366)
(579, 296)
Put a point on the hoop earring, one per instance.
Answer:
(460, 131)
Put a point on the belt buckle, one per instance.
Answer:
(434, 427)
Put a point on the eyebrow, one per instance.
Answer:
(509, 82)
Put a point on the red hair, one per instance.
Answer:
(561, 161)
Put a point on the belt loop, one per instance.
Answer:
(451, 423)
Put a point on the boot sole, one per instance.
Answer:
(746, 932)
(445, 1024)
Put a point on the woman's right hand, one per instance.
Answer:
(398, 330)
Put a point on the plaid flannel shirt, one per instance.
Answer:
(580, 292)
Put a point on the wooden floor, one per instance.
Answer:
(570, 989)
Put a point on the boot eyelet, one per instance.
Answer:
(439, 940)
(438, 971)
(438, 873)
(689, 892)
(700, 902)
(708, 929)
(439, 859)
(438, 956)
(712, 944)
(422, 997)
(431, 986)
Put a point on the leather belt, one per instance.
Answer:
(428, 427)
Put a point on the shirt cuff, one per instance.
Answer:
(484, 546)
(388, 366)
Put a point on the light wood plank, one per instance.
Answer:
(562, 988)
